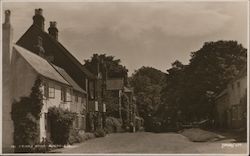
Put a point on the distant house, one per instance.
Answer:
(58, 55)
(125, 101)
(231, 103)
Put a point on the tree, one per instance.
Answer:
(110, 68)
(108, 64)
(147, 83)
(192, 88)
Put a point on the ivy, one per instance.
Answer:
(25, 114)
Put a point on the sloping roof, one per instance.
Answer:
(62, 49)
(114, 84)
(40, 65)
(66, 76)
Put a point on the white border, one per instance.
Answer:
(141, 1)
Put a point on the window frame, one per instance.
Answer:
(51, 87)
(76, 98)
(63, 94)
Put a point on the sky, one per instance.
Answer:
(151, 34)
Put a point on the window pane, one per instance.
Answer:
(51, 92)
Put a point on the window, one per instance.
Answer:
(76, 98)
(46, 90)
(51, 92)
(63, 94)
(96, 106)
(68, 96)
(239, 112)
(45, 121)
(238, 84)
(232, 86)
(91, 90)
(82, 123)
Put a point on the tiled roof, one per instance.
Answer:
(114, 84)
(66, 76)
(40, 65)
(63, 50)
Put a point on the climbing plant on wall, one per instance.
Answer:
(25, 115)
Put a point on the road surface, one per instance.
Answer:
(148, 143)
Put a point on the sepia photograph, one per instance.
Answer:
(133, 77)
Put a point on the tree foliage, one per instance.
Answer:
(192, 88)
(147, 83)
(107, 63)
(110, 68)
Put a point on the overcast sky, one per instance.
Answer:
(140, 34)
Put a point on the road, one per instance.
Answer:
(144, 142)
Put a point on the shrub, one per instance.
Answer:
(86, 136)
(74, 136)
(100, 133)
(113, 125)
(61, 123)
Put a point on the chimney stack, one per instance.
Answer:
(7, 17)
(7, 82)
(38, 18)
(7, 38)
(53, 31)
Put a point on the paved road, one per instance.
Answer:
(144, 142)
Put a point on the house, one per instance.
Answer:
(231, 103)
(21, 68)
(57, 92)
(125, 102)
(58, 55)
(78, 103)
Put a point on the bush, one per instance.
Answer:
(100, 133)
(74, 136)
(61, 124)
(77, 136)
(113, 125)
(89, 136)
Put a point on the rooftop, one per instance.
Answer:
(40, 65)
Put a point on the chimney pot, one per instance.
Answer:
(39, 11)
(53, 31)
(38, 18)
(7, 17)
(53, 24)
